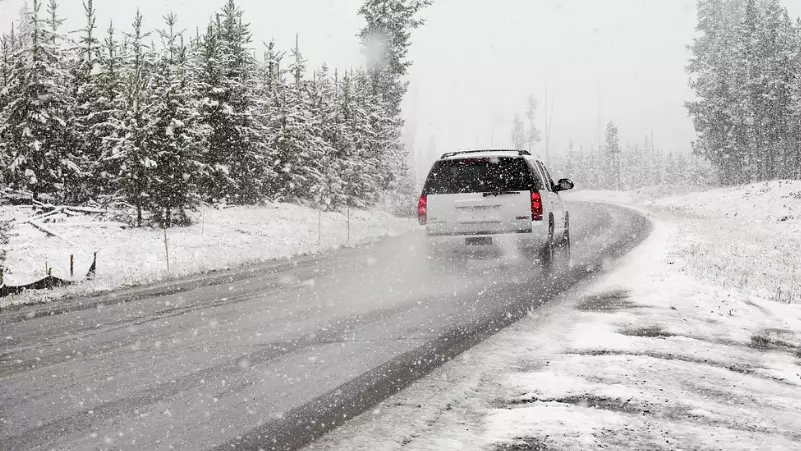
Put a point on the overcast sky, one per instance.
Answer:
(478, 60)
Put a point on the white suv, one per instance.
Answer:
(486, 199)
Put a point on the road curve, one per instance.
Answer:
(273, 356)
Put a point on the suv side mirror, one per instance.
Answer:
(564, 185)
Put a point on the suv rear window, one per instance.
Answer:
(480, 175)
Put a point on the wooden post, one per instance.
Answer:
(72, 265)
(166, 247)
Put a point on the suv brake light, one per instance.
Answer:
(536, 206)
(422, 210)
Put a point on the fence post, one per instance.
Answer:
(166, 247)
(72, 265)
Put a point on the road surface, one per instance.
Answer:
(273, 356)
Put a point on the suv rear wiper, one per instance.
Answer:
(500, 193)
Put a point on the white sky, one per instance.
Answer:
(479, 59)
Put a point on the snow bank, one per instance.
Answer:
(218, 239)
(777, 201)
(748, 237)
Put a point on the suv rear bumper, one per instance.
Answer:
(533, 238)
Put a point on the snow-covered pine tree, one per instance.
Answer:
(518, 133)
(750, 84)
(385, 42)
(392, 175)
(324, 123)
(297, 145)
(613, 151)
(5, 76)
(386, 39)
(36, 126)
(533, 133)
(238, 154)
(73, 158)
(778, 52)
(175, 136)
(339, 144)
(104, 116)
(793, 164)
(714, 74)
(8, 43)
(213, 99)
(249, 150)
(348, 140)
(371, 131)
(88, 110)
(7, 48)
(137, 158)
(269, 80)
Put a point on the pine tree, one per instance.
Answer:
(213, 111)
(322, 122)
(793, 158)
(385, 43)
(613, 151)
(8, 51)
(36, 126)
(744, 70)
(104, 119)
(371, 132)
(533, 135)
(237, 155)
(88, 109)
(518, 134)
(779, 51)
(714, 70)
(297, 145)
(137, 160)
(386, 39)
(175, 137)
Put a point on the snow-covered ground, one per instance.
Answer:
(685, 344)
(218, 239)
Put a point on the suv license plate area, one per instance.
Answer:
(479, 241)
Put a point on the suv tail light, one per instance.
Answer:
(422, 210)
(536, 206)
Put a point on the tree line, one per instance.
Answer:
(163, 121)
(616, 166)
(612, 165)
(746, 74)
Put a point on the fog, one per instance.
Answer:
(476, 62)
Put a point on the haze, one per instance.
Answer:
(476, 62)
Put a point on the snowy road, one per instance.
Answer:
(269, 359)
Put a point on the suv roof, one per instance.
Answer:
(484, 153)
